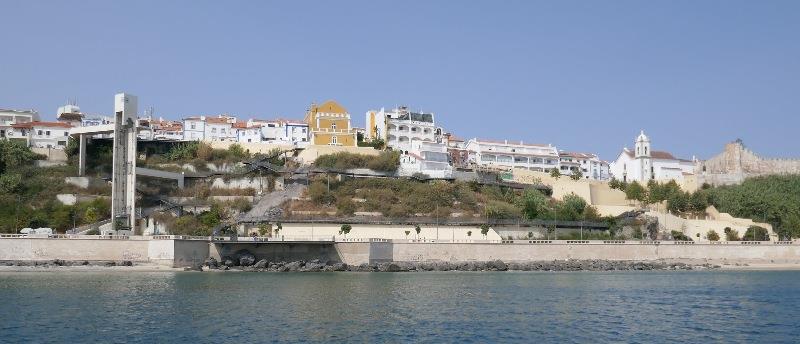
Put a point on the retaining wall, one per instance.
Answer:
(765, 252)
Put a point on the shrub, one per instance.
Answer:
(484, 229)
(319, 194)
(680, 236)
(756, 233)
(712, 235)
(345, 229)
(501, 210)
(345, 206)
(731, 235)
(387, 161)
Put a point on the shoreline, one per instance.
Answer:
(431, 266)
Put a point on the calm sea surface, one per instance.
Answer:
(582, 307)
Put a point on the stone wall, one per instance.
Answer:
(635, 251)
(736, 163)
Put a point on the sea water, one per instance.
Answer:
(436, 307)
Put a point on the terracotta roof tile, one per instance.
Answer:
(42, 124)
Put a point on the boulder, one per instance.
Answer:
(228, 262)
(339, 267)
(261, 264)
(389, 267)
(246, 258)
(294, 266)
(211, 262)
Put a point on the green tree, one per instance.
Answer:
(264, 229)
(469, 234)
(345, 229)
(614, 183)
(417, 229)
(14, 154)
(577, 175)
(698, 201)
(635, 192)
(712, 235)
(571, 208)
(678, 202)
(407, 233)
(555, 173)
(532, 203)
(756, 233)
(731, 234)
(484, 229)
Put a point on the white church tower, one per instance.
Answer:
(643, 158)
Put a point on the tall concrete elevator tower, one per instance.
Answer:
(123, 178)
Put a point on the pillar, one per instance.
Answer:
(81, 155)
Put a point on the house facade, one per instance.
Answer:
(329, 124)
(507, 154)
(400, 126)
(589, 164)
(41, 134)
(428, 158)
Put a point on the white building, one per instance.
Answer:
(643, 164)
(41, 134)
(194, 128)
(589, 164)
(210, 128)
(429, 158)
(10, 117)
(507, 154)
(296, 132)
(400, 126)
(247, 132)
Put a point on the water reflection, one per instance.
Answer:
(376, 307)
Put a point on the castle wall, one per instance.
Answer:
(737, 163)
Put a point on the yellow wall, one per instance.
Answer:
(342, 139)
(327, 123)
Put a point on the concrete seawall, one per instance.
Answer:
(181, 253)
(168, 252)
(527, 252)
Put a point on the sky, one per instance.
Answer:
(582, 75)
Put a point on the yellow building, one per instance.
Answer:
(329, 124)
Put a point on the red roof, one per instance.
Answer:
(42, 124)
(658, 155)
(216, 120)
(507, 142)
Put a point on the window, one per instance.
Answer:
(66, 133)
(39, 133)
(333, 126)
(192, 125)
(213, 130)
(222, 131)
(333, 138)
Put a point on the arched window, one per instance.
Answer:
(333, 139)
(645, 150)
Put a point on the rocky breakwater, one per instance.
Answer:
(246, 262)
(59, 262)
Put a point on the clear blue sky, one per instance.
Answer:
(584, 75)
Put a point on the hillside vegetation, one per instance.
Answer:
(775, 199)
(386, 161)
(401, 198)
(28, 194)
